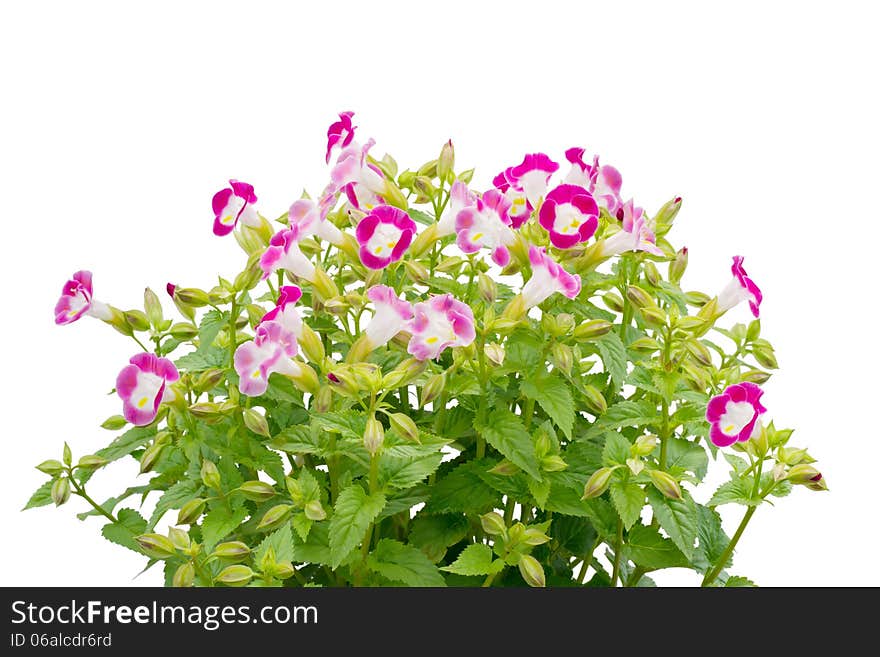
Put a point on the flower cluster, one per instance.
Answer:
(514, 345)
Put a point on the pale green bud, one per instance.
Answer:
(237, 575)
(275, 517)
(156, 546)
(374, 435)
(597, 483)
(60, 491)
(210, 475)
(256, 422)
(531, 571)
(665, 484)
(256, 490)
(493, 524)
(184, 576)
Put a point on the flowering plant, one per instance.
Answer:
(413, 382)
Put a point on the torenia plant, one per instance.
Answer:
(413, 382)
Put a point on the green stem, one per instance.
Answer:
(664, 431)
(140, 344)
(508, 510)
(618, 548)
(332, 468)
(528, 412)
(81, 491)
(374, 487)
(491, 578)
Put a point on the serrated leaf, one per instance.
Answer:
(568, 502)
(553, 395)
(199, 361)
(219, 522)
(678, 518)
(354, 512)
(628, 498)
(648, 549)
(737, 581)
(506, 433)
(209, 327)
(463, 490)
(616, 449)
(126, 443)
(41, 497)
(404, 563)
(281, 541)
(316, 547)
(347, 423)
(298, 440)
(302, 525)
(712, 539)
(432, 534)
(628, 414)
(735, 491)
(738, 463)
(540, 490)
(523, 351)
(475, 559)
(614, 357)
(690, 457)
(405, 472)
(130, 525)
(173, 498)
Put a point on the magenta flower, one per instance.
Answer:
(169, 288)
(635, 234)
(391, 315)
(340, 133)
(548, 277)
(234, 204)
(460, 197)
(740, 288)
(532, 176)
(734, 414)
(311, 219)
(580, 173)
(570, 215)
(76, 300)
(440, 322)
(362, 182)
(486, 224)
(285, 312)
(602, 181)
(384, 235)
(520, 208)
(283, 252)
(143, 386)
(270, 351)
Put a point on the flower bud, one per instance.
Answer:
(494, 352)
(678, 266)
(248, 278)
(151, 456)
(311, 344)
(763, 352)
(343, 380)
(283, 570)
(613, 301)
(60, 491)
(597, 483)
(404, 425)
(695, 377)
(653, 316)
(531, 571)
(66, 454)
(256, 422)
(209, 379)
(697, 299)
(183, 331)
(803, 473)
(755, 376)
(665, 484)
(644, 445)
(233, 550)
(549, 325)
(791, 455)
(639, 298)
(153, 307)
(210, 475)
(114, 422)
(779, 472)
(699, 351)
(393, 196)
(295, 490)
(314, 511)
(446, 162)
(758, 441)
(562, 356)
(257, 491)
(432, 389)
(156, 546)
(666, 215)
(635, 466)
(423, 241)
(533, 536)
(184, 576)
(417, 272)
(592, 329)
(374, 435)
(136, 320)
(651, 273)
(190, 512)
(179, 538)
(323, 285)
(553, 463)
(514, 312)
(818, 483)
(493, 524)
(51, 467)
(595, 400)
(487, 288)
(237, 575)
(466, 176)
(754, 330)
(306, 380)
(275, 517)
(645, 344)
(368, 376)
(505, 468)
(322, 400)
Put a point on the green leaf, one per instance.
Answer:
(302, 525)
(347, 423)
(432, 534)
(736, 491)
(405, 472)
(219, 522)
(554, 396)
(523, 351)
(540, 490)
(506, 433)
(648, 549)
(404, 563)
(738, 463)
(688, 456)
(628, 498)
(475, 559)
(123, 533)
(616, 449)
(174, 498)
(41, 497)
(678, 518)
(281, 541)
(354, 512)
(298, 440)
(613, 355)
(626, 414)
(404, 501)
(421, 217)
(316, 548)
(209, 327)
(712, 539)
(199, 361)
(568, 502)
(463, 490)
(126, 443)
(737, 581)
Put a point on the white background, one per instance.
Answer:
(118, 125)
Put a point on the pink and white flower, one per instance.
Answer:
(635, 234)
(285, 312)
(143, 386)
(548, 277)
(271, 350)
(234, 204)
(486, 224)
(384, 235)
(580, 173)
(76, 300)
(311, 219)
(532, 176)
(602, 181)
(570, 215)
(520, 208)
(440, 322)
(391, 315)
(740, 288)
(460, 197)
(735, 414)
(362, 182)
(283, 252)
(340, 133)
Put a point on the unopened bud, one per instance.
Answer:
(505, 468)
(184, 576)
(553, 463)
(393, 196)
(755, 376)
(233, 550)
(209, 379)
(192, 296)
(514, 312)
(151, 456)
(114, 422)
(644, 445)
(565, 322)
(533, 536)
(763, 352)
(697, 299)
(153, 307)
(311, 344)
(699, 351)
(446, 162)
(818, 483)
(237, 575)
(665, 484)
(210, 475)
(549, 325)
(323, 399)
(487, 288)
(779, 472)
(314, 511)
(651, 273)
(678, 266)
(645, 344)
(639, 298)
(323, 285)
(803, 473)
(191, 512)
(531, 571)
(791, 455)
(592, 329)
(404, 425)
(597, 483)
(179, 538)
(156, 546)
(423, 241)
(342, 379)
(466, 176)
(595, 400)
(256, 422)
(51, 467)
(562, 356)
(275, 517)
(494, 352)
(493, 524)
(60, 491)
(432, 389)
(613, 301)
(374, 435)
(283, 570)
(653, 316)
(417, 272)
(136, 320)
(257, 491)
(183, 331)
(306, 380)
(666, 215)
(248, 278)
